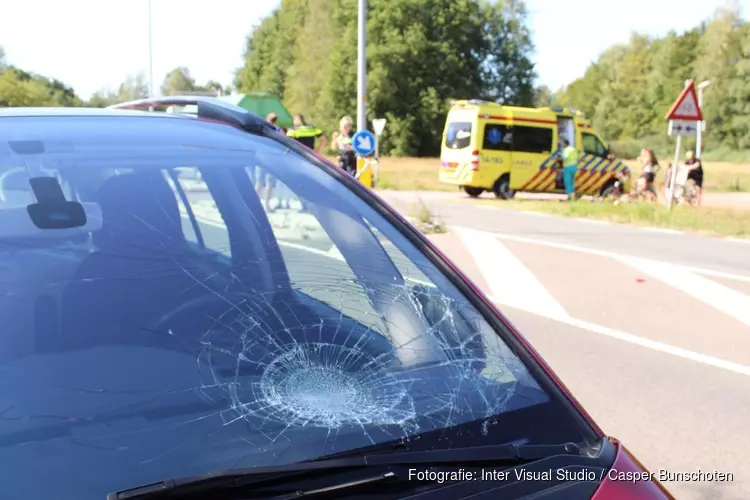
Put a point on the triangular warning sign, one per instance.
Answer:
(686, 106)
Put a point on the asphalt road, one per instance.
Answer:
(686, 249)
(659, 355)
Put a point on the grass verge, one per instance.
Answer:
(421, 174)
(715, 221)
(425, 220)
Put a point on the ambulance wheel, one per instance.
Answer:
(502, 188)
(474, 192)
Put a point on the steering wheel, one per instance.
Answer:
(191, 320)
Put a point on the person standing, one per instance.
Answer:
(307, 134)
(273, 118)
(283, 193)
(265, 183)
(695, 173)
(342, 144)
(569, 157)
(648, 175)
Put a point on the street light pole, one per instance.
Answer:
(362, 66)
(150, 55)
(701, 124)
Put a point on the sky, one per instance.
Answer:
(75, 42)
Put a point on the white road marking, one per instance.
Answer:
(535, 214)
(738, 240)
(508, 279)
(522, 212)
(661, 230)
(605, 253)
(650, 344)
(725, 299)
(593, 221)
(587, 326)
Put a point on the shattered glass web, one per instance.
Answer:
(337, 383)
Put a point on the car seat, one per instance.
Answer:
(139, 270)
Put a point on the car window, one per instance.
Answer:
(308, 250)
(532, 139)
(458, 135)
(202, 221)
(497, 137)
(593, 146)
(196, 321)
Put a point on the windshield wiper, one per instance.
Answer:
(504, 454)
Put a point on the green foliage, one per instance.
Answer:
(21, 88)
(134, 87)
(419, 56)
(630, 88)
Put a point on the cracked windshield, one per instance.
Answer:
(370, 248)
(187, 327)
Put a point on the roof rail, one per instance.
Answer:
(209, 108)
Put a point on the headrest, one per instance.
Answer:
(138, 210)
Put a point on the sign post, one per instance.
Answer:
(378, 125)
(684, 119)
(364, 143)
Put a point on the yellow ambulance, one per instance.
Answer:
(505, 149)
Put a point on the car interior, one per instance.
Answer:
(148, 278)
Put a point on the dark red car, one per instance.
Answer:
(165, 334)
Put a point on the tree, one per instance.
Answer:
(509, 71)
(22, 88)
(738, 91)
(177, 81)
(543, 97)
(102, 99)
(270, 50)
(629, 89)
(419, 55)
(216, 88)
(20, 92)
(719, 53)
(133, 88)
(306, 77)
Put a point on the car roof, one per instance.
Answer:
(92, 112)
(120, 128)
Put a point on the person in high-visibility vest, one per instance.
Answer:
(569, 155)
(307, 134)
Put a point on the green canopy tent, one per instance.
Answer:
(262, 104)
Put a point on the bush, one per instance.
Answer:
(626, 150)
